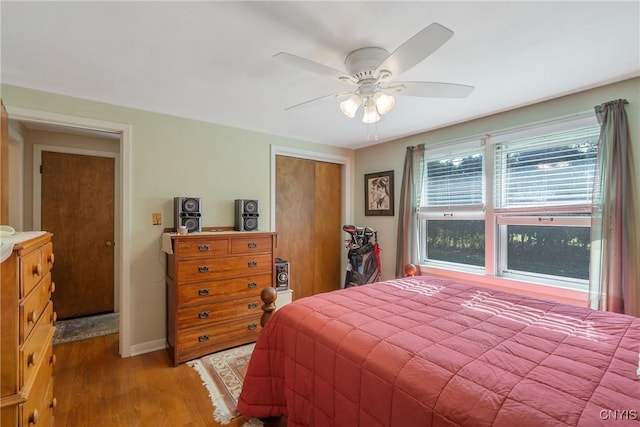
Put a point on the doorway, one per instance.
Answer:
(123, 247)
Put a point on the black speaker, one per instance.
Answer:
(187, 212)
(246, 215)
(282, 275)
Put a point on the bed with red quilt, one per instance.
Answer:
(422, 351)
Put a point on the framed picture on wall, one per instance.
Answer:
(378, 194)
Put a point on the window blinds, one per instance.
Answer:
(453, 179)
(550, 170)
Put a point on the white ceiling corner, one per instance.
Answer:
(212, 61)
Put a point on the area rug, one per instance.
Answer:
(222, 374)
(85, 327)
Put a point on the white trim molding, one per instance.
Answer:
(123, 250)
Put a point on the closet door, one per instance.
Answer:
(308, 215)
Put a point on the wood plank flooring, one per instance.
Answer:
(95, 387)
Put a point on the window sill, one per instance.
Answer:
(556, 294)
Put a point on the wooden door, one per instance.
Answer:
(308, 215)
(78, 208)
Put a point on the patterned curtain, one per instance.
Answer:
(406, 251)
(615, 256)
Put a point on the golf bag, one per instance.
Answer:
(363, 257)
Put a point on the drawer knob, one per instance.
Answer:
(37, 269)
(252, 245)
(252, 305)
(53, 287)
(33, 418)
(203, 314)
(31, 359)
(51, 258)
(203, 292)
(54, 403)
(52, 359)
(54, 317)
(251, 285)
(252, 264)
(203, 268)
(204, 248)
(32, 316)
(252, 326)
(203, 338)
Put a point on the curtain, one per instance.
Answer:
(615, 256)
(406, 246)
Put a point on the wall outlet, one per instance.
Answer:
(156, 218)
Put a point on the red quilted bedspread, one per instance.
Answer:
(422, 351)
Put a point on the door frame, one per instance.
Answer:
(37, 196)
(347, 187)
(122, 216)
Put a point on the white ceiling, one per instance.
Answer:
(212, 61)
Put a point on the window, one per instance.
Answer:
(452, 205)
(517, 205)
(555, 251)
(458, 241)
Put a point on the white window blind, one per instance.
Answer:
(453, 179)
(551, 170)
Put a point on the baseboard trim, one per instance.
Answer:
(148, 347)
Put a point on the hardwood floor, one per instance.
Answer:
(95, 387)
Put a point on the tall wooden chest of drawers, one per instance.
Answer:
(27, 317)
(214, 282)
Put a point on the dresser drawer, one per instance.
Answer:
(204, 314)
(222, 268)
(47, 258)
(36, 410)
(33, 306)
(251, 245)
(31, 271)
(196, 293)
(37, 350)
(208, 339)
(200, 248)
(48, 406)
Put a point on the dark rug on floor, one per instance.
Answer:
(85, 327)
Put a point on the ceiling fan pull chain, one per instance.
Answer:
(375, 131)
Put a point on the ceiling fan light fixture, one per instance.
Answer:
(350, 106)
(370, 112)
(383, 102)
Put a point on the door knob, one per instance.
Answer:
(108, 243)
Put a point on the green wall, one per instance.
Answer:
(173, 156)
(390, 155)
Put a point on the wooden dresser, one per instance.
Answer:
(214, 282)
(27, 316)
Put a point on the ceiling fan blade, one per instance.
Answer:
(416, 49)
(314, 67)
(430, 89)
(333, 95)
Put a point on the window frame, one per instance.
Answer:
(497, 219)
(451, 213)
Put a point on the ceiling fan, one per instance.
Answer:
(372, 69)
